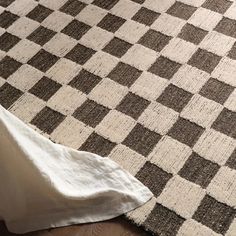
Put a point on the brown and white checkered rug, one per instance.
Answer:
(149, 83)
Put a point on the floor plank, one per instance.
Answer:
(115, 227)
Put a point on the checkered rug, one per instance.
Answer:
(149, 83)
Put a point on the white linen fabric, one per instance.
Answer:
(43, 184)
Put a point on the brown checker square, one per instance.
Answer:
(199, 170)
(43, 60)
(226, 123)
(215, 215)
(164, 67)
(164, 222)
(232, 52)
(204, 60)
(6, 3)
(186, 131)
(76, 29)
(216, 90)
(85, 81)
(8, 41)
(97, 144)
(106, 4)
(145, 16)
(174, 97)
(219, 6)
(8, 66)
(181, 10)
(227, 26)
(132, 105)
(153, 177)
(154, 40)
(124, 74)
(39, 13)
(91, 113)
(111, 22)
(138, 1)
(117, 47)
(8, 95)
(142, 140)
(192, 34)
(232, 160)
(80, 54)
(45, 88)
(73, 7)
(47, 120)
(7, 18)
(41, 35)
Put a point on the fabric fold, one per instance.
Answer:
(44, 185)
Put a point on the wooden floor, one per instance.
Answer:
(115, 227)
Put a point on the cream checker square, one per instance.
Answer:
(60, 44)
(170, 155)
(182, 196)
(66, 100)
(201, 110)
(215, 146)
(190, 78)
(108, 93)
(115, 126)
(168, 24)
(149, 86)
(71, 132)
(24, 50)
(158, 118)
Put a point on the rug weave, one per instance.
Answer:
(151, 84)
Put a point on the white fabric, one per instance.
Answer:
(45, 185)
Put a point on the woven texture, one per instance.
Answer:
(151, 84)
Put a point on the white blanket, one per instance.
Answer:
(45, 185)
